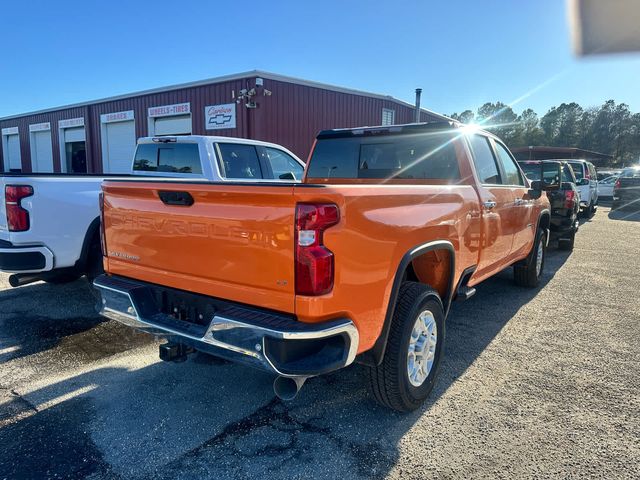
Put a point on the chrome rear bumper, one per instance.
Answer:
(270, 341)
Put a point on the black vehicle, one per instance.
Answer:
(626, 191)
(565, 201)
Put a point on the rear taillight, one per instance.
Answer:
(569, 198)
(17, 217)
(617, 184)
(314, 262)
(103, 238)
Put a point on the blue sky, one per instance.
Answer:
(461, 52)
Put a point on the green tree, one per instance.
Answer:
(530, 131)
(500, 119)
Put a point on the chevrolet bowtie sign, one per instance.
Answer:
(218, 117)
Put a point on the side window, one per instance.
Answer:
(239, 161)
(511, 170)
(283, 164)
(484, 160)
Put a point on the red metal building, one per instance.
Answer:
(99, 136)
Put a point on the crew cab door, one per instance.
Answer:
(520, 217)
(496, 204)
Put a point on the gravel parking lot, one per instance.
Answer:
(541, 383)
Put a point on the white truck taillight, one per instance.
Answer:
(314, 262)
(17, 217)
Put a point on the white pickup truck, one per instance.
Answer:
(50, 223)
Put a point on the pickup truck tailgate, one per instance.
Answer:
(234, 241)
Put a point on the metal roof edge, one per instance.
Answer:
(221, 79)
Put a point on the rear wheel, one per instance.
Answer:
(528, 273)
(409, 369)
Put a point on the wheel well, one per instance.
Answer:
(432, 263)
(545, 221)
(432, 268)
(91, 237)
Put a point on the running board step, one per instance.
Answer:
(465, 293)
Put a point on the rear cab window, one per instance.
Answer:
(180, 158)
(424, 156)
(549, 171)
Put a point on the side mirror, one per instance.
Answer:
(287, 176)
(584, 181)
(535, 192)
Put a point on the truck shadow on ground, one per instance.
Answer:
(41, 316)
(198, 420)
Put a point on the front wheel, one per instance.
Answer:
(528, 273)
(410, 365)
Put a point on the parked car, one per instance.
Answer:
(49, 223)
(626, 191)
(602, 174)
(359, 262)
(565, 202)
(586, 177)
(605, 186)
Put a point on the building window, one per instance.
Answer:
(388, 116)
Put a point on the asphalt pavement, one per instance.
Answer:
(535, 383)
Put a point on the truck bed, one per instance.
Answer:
(236, 241)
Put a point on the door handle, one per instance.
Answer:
(183, 199)
(489, 204)
(519, 201)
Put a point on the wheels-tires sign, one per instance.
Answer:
(219, 117)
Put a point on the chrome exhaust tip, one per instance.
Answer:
(287, 388)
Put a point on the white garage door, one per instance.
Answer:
(74, 135)
(118, 146)
(177, 125)
(42, 152)
(13, 158)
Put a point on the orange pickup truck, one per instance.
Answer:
(357, 263)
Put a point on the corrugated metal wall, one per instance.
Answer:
(292, 116)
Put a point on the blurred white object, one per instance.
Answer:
(604, 26)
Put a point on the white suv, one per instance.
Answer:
(587, 183)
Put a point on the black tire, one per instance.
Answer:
(390, 381)
(568, 242)
(525, 273)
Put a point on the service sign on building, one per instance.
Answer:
(117, 116)
(10, 131)
(39, 127)
(170, 110)
(218, 117)
(71, 122)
